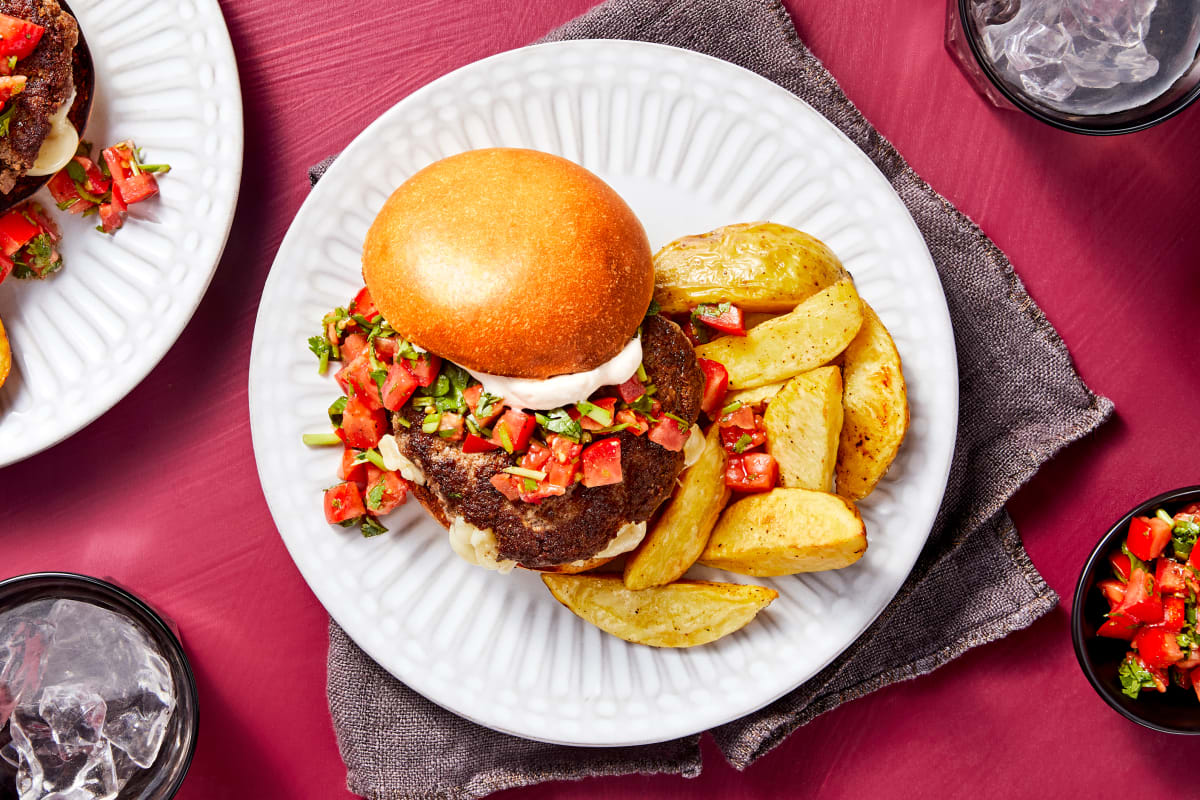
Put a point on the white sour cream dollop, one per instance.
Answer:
(563, 390)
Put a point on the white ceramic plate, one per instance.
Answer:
(692, 143)
(165, 77)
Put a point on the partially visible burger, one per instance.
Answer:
(46, 84)
(523, 281)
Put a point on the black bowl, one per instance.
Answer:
(164, 777)
(1175, 711)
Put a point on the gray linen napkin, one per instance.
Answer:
(1021, 401)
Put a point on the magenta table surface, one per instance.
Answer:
(161, 494)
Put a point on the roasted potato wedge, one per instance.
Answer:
(759, 266)
(876, 409)
(786, 531)
(676, 540)
(5, 355)
(759, 394)
(811, 335)
(682, 614)
(804, 426)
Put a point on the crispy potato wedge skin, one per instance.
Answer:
(804, 426)
(811, 335)
(676, 540)
(682, 614)
(5, 355)
(759, 394)
(875, 400)
(786, 531)
(759, 266)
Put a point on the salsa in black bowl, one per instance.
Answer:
(1113, 669)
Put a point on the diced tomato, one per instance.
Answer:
(602, 462)
(357, 375)
(751, 472)
(562, 449)
(1120, 564)
(1171, 577)
(562, 474)
(636, 422)
(362, 426)
(1194, 558)
(117, 159)
(65, 193)
(716, 385)
(6, 266)
(112, 219)
(477, 444)
(343, 502)
(398, 387)
(536, 457)
(742, 418)
(136, 188)
(1190, 660)
(1159, 675)
(1118, 626)
(351, 472)
(1140, 603)
(10, 85)
(18, 37)
(1174, 615)
(385, 491)
(1191, 508)
(386, 347)
(1148, 537)
(353, 346)
(1157, 647)
(696, 333)
(631, 389)
(507, 485)
(94, 181)
(450, 427)
(544, 489)
(364, 305)
(472, 394)
(754, 438)
(1114, 592)
(726, 318)
(16, 231)
(670, 434)
(425, 368)
(513, 430)
(607, 406)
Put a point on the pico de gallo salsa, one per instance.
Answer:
(28, 243)
(551, 450)
(107, 187)
(1152, 602)
(18, 39)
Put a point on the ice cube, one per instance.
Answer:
(24, 637)
(61, 746)
(1037, 45)
(1120, 22)
(1099, 65)
(1050, 82)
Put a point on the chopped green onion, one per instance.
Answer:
(373, 456)
(1165, 517)
(651, 390)
(616, 428)
(505, 439)
(162, 169)
(742, 443)
(641, 373)
(732, 407)
(521, 472)
(430, 424)
(529, 484)
(403, 421)
(320, 439)
(592, 411)
(680, 421)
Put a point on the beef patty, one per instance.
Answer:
(48, 70)
(580, 523)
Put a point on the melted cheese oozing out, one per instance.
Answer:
(478, 547)
(395, 461)
(629, 537)
(693, 448)
(60, 144)
(563, 390)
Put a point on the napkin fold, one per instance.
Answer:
(1021, 401)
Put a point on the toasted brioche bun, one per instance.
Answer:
(511, 262)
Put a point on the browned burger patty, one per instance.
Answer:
(580, 523)
(49, 83)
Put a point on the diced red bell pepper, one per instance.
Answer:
(1157, 647)
(535, 457)
(562, 449)
(513, 430)
(364, 305)
(602, 462)
(670, 434)
(350, 471)
(751, 472)
(1148, 537)
(742, 417)
(756, 438)
(398, 387)
(478, 444)
(1114, 592)
(607, 406)
(1174, 615)
(1140, 603)
(631, 389)
(1118, 626)
(385, 491)
(725, 317)
(425, 368)
(356, 375)
(343, 502)
(352, 346)
(362, 426)
(18, 37)
(1120, 564)
(636, 422)
(16, 231)
(1171, 577)
(507, 485)
(66, 194)
(450, 427)
(716, 386)
(473, 394)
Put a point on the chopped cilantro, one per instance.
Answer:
(1134, 676)
(375, 497)
(744, 441)
(336, 410)
(76, 171)
(530, 484)
(321, 348)
(6, 120)
(560, 422)
(1134, 561)
(371, 526)
(1183, 537)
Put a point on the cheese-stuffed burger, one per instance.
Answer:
(541, 414)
